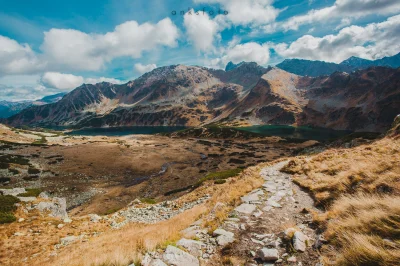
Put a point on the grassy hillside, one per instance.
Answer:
(360, 190)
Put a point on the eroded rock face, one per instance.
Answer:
(177, 257)
(57, 207)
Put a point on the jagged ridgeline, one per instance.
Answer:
(245, 94)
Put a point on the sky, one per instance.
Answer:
(47, 47)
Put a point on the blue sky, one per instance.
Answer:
(48, 47)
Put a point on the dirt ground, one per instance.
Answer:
(103, 174)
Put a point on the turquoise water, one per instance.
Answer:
(308, 133)
(123, 131)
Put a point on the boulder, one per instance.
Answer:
(246, 208)
(57, 207)
(300, 241)
(177, 257)
(194, 247)
(268, 254)
(149, 261)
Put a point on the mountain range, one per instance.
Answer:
(318, 68)
(8, 108)
(247, 94)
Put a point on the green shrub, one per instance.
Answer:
(31, 192)
(7, 203)
(7, 217)
(219, 175)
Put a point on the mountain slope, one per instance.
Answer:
(317, 68)
(365, 100)
(8, 109)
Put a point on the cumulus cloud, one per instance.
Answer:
(341, 9)
(247, 12)
(201, 30)
(81, 51)
(248, 52)
(66, 82)
(144, 68)
(373, 41)
(17, 58)
(71, 50)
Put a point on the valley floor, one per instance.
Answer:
(264, 214)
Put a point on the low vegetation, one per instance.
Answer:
(31, 192)
(360, 189)
(219, 176)
(7, 207)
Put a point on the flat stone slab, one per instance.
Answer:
(246, 208)
(194, 247)
(177, 257)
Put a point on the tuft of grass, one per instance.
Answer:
(219, 176)
(31, 192)
(219, 181)
(148, 200)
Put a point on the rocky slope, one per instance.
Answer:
(317, 68)
(247, 93)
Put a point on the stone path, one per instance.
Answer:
(272, 226)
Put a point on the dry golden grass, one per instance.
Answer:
(373, 168)
(360, 188)
(366, 230)
(121, 247)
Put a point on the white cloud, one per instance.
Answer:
(144, 68)
(17, 58)
(71, 50)
(76, 50)
(67, 82)
(373, 41)
(342, 9)
(248, 52)
(201, 30)
(61, 81)
(247, 12)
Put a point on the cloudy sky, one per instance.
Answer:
(48, 47)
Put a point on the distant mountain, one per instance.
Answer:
(364, 100)
(317, 68)
(231, 65)
(8, 109)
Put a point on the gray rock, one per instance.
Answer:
(300, 241)
(94, 218)
(246, 208)
(194, 247)
(44, 195)
(292, 259)
(268, 254)
(13, 191)
(177, 257)
(223, 240)
(68, 240)
(149, 261)
(57, 207)
(219, 232)
(27, 199)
